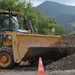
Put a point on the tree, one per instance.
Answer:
(15, 5)
(41, 23)
(60, 30)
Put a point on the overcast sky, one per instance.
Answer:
(66, 2)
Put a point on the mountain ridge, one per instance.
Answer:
(63, 14)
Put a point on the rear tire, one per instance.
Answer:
(6, 58)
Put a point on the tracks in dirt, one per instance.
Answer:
(66, 63)
(61, 64)
(25, 68)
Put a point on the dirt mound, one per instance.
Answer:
(68, 41)
(67, 62)
(63, 64)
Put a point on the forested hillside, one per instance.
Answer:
(41, 23)
(62, 13)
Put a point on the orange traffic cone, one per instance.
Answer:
(40, 67)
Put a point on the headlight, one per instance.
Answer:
(9, 37)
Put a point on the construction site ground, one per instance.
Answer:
(66, 72)
(64, 66)
(24, 71)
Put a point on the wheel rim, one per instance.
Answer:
(4, 59)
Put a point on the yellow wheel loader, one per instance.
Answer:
(17, 46)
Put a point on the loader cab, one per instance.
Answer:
(8, 22)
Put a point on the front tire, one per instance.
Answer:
(6, 58)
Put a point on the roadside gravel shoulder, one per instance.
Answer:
(65, 72)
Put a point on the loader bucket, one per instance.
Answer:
(47, 53)
(35, 46)
(29, 47)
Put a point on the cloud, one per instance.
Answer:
(37, 2)
(64, 1)
(67, 2)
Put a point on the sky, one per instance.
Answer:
(66, 2)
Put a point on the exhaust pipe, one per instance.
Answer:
(29, 24)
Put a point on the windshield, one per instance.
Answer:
(4, 22)
(14, 23)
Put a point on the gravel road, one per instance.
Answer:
(11, 72)
(64, 66)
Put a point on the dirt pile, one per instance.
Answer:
(68, 62)
(68, 41)
(62, 64)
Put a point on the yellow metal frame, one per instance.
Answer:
(21, 42)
